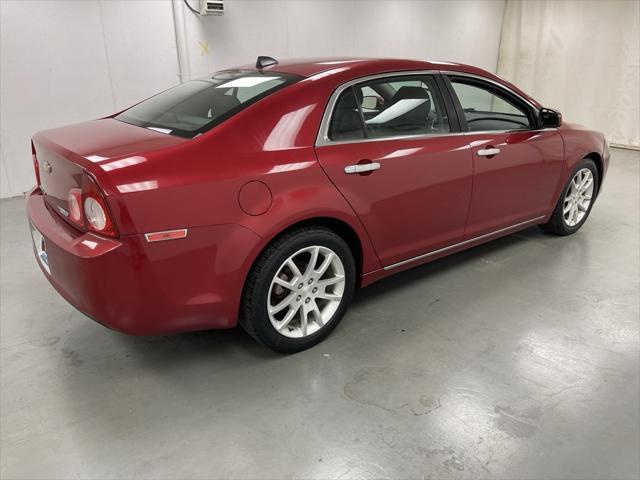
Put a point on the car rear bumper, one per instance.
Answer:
(142, 288)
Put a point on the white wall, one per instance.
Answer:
(582, 57)
(463, 31)
(68, 61)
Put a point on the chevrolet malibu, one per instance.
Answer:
(266, 194)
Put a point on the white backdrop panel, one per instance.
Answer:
(50, 74)
(581, 57)
(68, 61)
(462, 31)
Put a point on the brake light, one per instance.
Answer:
(88, 210)
(95, 209)
(75, 205)
(96, 216)
(36, 167)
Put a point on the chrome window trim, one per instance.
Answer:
(427, 136)
(422, 136)
(322, 139)
(464, 242)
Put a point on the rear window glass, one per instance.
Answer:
(199, 105)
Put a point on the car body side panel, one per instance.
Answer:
(419, 198)
(518, 183)
(197, 182)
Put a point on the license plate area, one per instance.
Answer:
(41, 248)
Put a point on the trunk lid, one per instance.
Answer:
(64, 154)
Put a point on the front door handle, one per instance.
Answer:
(488, 152)
(362, 167)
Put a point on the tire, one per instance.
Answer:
(320, 299)
(559, 224)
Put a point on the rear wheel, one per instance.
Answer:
(576, 200)
(298, 290)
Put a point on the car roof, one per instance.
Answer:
(357, 67)
(307, 67)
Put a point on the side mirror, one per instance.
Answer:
(550, 118)
(370, 102)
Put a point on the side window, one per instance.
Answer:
(346, 123)
(399, 106)
(486, 111)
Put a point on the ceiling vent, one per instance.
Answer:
(211, 7)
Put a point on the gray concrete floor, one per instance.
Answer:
(519, 358)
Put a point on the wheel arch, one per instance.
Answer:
(338, 226)
(597, 159)
(342, 228)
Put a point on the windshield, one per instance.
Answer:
(197, 106)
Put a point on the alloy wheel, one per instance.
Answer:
(578, 197)
(306, 291)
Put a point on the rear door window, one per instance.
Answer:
(197, 106)
(404, 106)
(346, 121)
(390, 107)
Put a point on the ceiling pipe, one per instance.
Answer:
(180, 28)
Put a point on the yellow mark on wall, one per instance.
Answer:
(205, 48)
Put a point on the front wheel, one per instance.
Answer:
(298, 290)
(576, 200)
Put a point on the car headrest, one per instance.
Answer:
(416, 115)
(409, 92)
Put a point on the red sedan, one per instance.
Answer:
(265, 195)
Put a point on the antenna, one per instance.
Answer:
(264, 61)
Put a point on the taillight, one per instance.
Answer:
(75, 205)
(36, 167)
(96, 216)
(87, 208)
(95, 209)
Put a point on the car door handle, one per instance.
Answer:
(488, 152)
(362, 167)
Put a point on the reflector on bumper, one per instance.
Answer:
(166, 235)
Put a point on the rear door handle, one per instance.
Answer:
(488, 152)
(362, 167)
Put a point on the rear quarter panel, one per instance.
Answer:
(197, 183)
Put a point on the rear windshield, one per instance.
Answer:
(199, 105)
